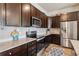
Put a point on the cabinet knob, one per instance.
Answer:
(10, 53)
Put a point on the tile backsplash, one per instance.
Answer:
(6, 30)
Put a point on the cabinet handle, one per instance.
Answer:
(10, 53)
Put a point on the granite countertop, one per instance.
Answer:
(11, 44)
(75, 44)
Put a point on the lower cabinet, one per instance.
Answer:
(40, 45)
(17, 51)
(32, 49)
(48, 39)
(28, 49)
(53, 39)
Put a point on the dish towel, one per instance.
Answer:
(56, 51)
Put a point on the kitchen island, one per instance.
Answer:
(75, 44)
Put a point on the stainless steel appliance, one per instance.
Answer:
(31, 34)
(68, 32)
(36, 22)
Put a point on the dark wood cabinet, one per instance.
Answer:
(2, 14)
(77, 15)
(78, 30)
(40, 45)
(33, 11)
(17, 51)
(44, 20)
(40, 15)
(32, 49)
(27, 49)
(20, 14)
(26, 15)
(48, 39)
(55, 22)
(53, 38)
(72, 16)
(13, 14)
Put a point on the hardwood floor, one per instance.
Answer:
(67, 51)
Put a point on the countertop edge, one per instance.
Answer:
(18, 44)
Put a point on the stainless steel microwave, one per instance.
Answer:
(36, 22)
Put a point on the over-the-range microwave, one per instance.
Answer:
(36, 22)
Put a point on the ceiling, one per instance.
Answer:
(50, 7)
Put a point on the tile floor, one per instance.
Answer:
(67, 51)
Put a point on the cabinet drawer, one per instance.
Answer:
(20, 50)
(6, 53)
(17, 51)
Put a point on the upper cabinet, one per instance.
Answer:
(77, 15)
(44, 20)
(55, 22)
(33, 11)
(2, 14)
(40, 15)
(13, 14)
(26, 16)
(20, 14)
(72, 16)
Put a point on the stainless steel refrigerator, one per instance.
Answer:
(68, 30)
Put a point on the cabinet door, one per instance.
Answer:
(38, 14)
(6, 53)
(26, 14)
(2, 14)
(33, 11)
(48, 39)
(13, 14)
(72, 16)
(46, 22)
(55, 39)
(42, 20)
(78, 15)
(32, 48)
(17, 51)
(78, 30)
(56, 22)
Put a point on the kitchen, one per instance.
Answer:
(26, 29)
